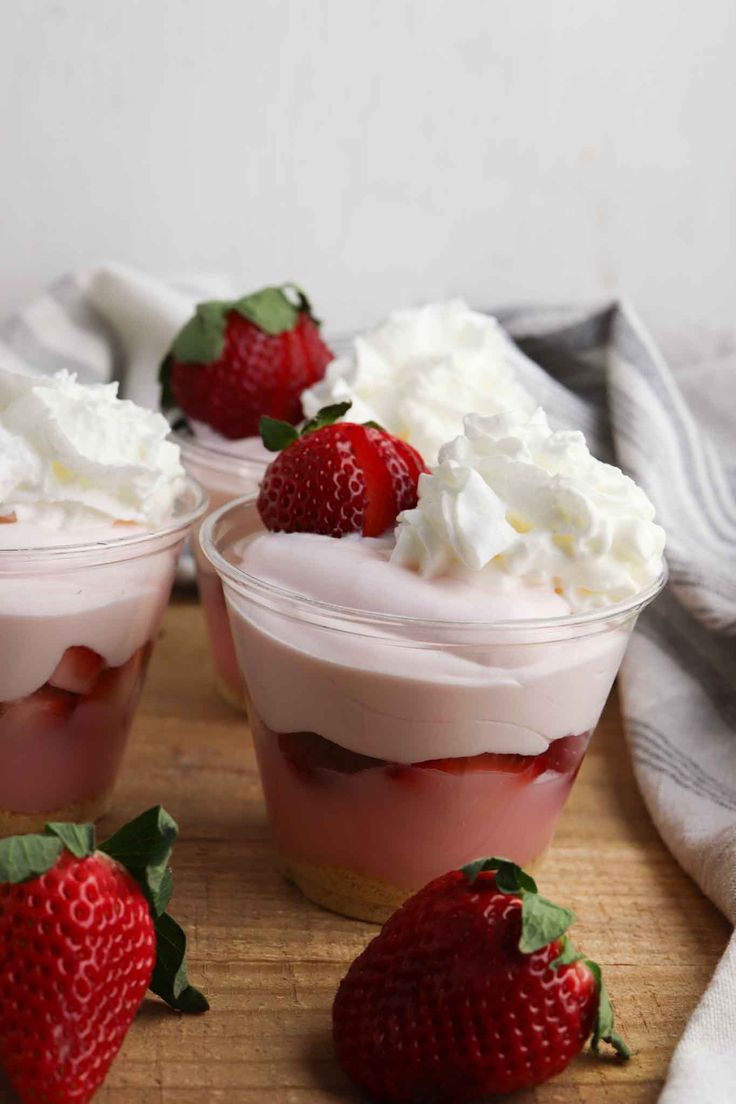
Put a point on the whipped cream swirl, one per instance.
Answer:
(513, 496)
(420, 371)
(73, 455)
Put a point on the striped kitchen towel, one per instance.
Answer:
(675, 432)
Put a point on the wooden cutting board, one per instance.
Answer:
(270, 961)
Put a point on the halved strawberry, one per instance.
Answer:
(336, 478)
(77, 670)
(307, 751)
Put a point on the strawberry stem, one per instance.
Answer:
(277, 435)
(541, 920)
(202, 339)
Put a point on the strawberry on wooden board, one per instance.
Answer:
(471, 988)
(84, 933)
(336, 477)
(238, 359)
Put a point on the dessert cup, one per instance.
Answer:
(392, 749)
(224, 475)
(77, 626)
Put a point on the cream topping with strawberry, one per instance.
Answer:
(453, 562)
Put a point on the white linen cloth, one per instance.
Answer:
(597, 370)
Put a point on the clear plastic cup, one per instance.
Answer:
(428, 704)
(224, 476)
(77, 626)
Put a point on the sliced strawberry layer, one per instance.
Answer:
(77, 670)
(81, 676)
(47, 708)
(307, 751)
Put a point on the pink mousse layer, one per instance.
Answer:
(374, 688)
(406, 825)
(113, 607)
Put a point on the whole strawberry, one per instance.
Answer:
(336, 478)
(471, 988)
(83, 935)
(236, 360)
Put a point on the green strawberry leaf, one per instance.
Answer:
(271, 309)
(276, 435)
(144, 848)
(328, 415)
(510, 878)
(567, 955)
(374, 425)
(603, 1030)
(202, 339)
(77, 838)
(26, 857)
(170, 980)
(541, 922)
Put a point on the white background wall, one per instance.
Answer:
(379, 151)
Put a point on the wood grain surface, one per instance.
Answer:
(270, 961)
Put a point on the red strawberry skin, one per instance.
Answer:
(77, 950)
(77, 670)
(343, 478)
(443, 1006)
(257, 373)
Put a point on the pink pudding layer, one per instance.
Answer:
(62, 744)
(404, 824)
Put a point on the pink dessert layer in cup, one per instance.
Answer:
(405, 726)
(227, 470)
(77, 626)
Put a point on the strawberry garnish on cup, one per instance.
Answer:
(471, 988)
(237, 359)
(84, 933)
(336, 477)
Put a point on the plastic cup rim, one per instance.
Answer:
(175, 524)
(241, 579)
